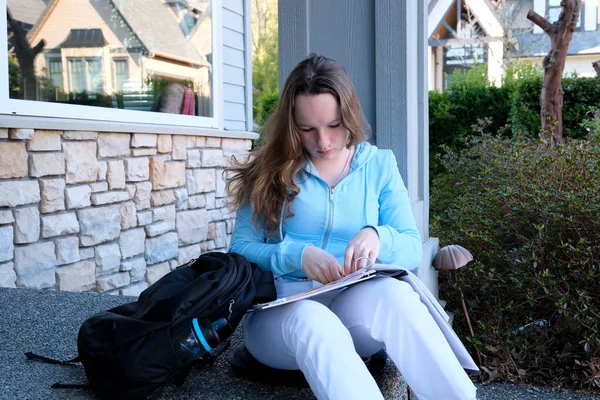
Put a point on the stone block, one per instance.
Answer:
(192, 226)
(137, 169)
(181, 197)
(3, 133)
(102, 170)
(33, 263)
(173, 264)
(80, 135)
(193, 159)
(114, 281)
(220, 202)
(128, 215)
(211, 245)
(179, 148)
(99, 187)
(130, 187)
(116, 174)
(8, 276)
(13, 163)
(53, 195)
(78, 196)
(20, 133)
(229, 226)
(162, 198)
(45, 164)
(155, 272)
(108, 258)
(6, 217)
(188, 253)
(166, 175)
(170, 216)
(158, 214)
(142, 195)
(213, 142)
(138, 269)
(203, 247)
(200, 181)
(198, 201)
(44, 141)
(161, 248)
(132, 242)
(213, 158)
(45, 279)
(165, 143)
(235, 146)
(113, 145)
(6, 243)
(221, 184)
(86, 253)
(59, 224)
(200, 141)
(220, 237)
(81, 161)
(99, 225)
(134, 290)
(156, 229)
(143, 140)
(67, 250)
(144, 151)
(210, 200)
(79, 277)
(99, 199)
(144, 218)
(27, 225)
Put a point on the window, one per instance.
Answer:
(121, 74)
(554, 10)
(55, 73)
(149, 57)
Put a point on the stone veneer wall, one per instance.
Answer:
(108, 212)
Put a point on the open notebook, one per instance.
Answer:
(368, 272)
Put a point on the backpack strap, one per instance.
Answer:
(37, 357)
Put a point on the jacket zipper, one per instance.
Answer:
(331, 193)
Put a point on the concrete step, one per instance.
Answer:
(46, 322)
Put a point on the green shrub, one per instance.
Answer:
(530, 215)
(511, 109)
(264, 105)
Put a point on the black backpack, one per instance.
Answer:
(133, 349)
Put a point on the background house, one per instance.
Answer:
(463, 32)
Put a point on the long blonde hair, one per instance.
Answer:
(266, 179)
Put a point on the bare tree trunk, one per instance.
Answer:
(596, 65)
(551, 98)
(26, 57)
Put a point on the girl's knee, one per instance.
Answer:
(397, 292)
(312, 319)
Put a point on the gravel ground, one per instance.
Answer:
(46, 322)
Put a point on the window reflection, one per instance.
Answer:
(130, 54)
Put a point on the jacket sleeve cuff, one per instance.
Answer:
(290, 257)
(386, 240)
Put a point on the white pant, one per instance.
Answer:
(326, 337)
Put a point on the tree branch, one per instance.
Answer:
(596, 65)
(540, 21)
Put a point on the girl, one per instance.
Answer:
(316, 202)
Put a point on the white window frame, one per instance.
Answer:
(83, 117)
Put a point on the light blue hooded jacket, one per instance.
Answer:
(372, 194)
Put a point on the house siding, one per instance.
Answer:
(235, 75)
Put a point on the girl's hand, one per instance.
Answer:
(363, 247)
(320, 266)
